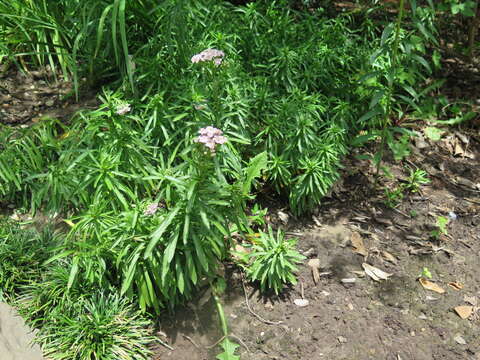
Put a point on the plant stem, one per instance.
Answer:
(221, 314)
(396, 42)
(472, 31)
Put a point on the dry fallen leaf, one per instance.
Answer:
(464, 311)
(357, 243)
(458, 150)
(472, 300)
(360, 274)
(431, 286)
(389, 257)
(314, 264)
(455, 285)
(375, 273)
(284, 217)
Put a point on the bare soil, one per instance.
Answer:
(28, 97)
(361, 318)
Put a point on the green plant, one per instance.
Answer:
(49, 291)
(393, 197)
(412, 184)
(102, 327)
(273, 260)
(22, 252)
(228, 347)
(426, 273)
(397, 66)
(416, 178)
(441, 227)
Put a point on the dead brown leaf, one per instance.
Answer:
(389, 257)
(375, 273)
(314, 264)
(458, 150)
(428, 285)
(357, 243)
(464, 311)
(455, 285)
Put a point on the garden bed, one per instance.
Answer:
(390, 319)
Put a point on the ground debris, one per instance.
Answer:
(464, 311)
(429, 285)
(375, 273)
(357, 244)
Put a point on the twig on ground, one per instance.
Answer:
(472, 200)
(216, 342)
(165, 344)
(236, 338)
(401, 213)
(191, 340)
(254, 313)
(240, 341)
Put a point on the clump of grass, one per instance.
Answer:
(100, 327)
(22, 252)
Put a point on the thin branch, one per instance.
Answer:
(254, 313)
(216, 343)
(191, 340)
(240, 341)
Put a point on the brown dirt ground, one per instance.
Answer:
(391, 319)
(27, 97)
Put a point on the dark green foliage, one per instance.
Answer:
(290, 95)
(272, 261)
(151, 209)
(22, 252)
(102, 327)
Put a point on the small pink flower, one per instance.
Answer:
(220, 140)
(210, 137)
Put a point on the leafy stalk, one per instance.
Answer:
(394, 68)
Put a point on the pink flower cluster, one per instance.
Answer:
(211, 137)
(209, 55)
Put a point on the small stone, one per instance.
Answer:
(341, 340)
(301, 302)
(452, 215)
(459, 339)
(49, 103)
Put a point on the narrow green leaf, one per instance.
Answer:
(73, 272)
(254, 170)
(157, 234)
